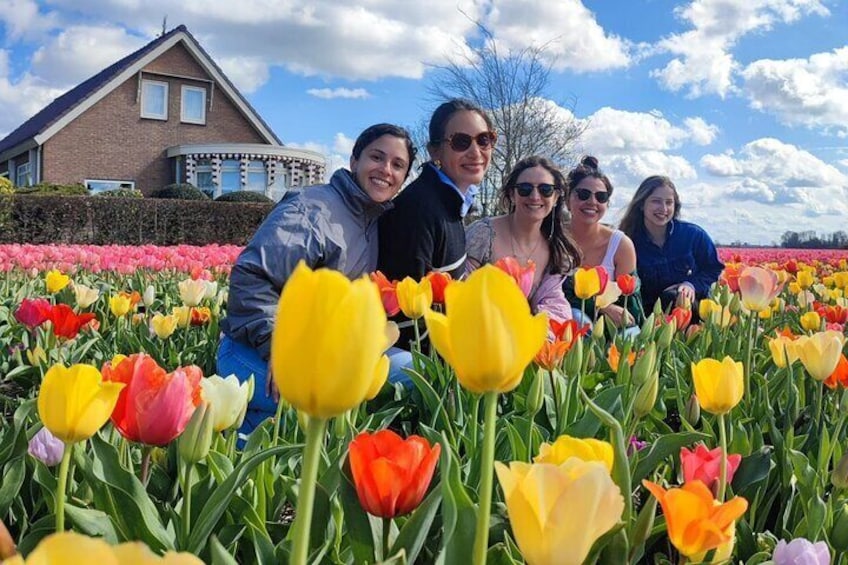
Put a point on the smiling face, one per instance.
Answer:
(467, 167)
(587, 211)
(381, 167)
(534, 207)
(658, 209)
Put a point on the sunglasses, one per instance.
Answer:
(525, 189)
(585, 194)
(460, 142)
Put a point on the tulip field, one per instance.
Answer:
(716, 434)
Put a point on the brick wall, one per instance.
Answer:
(111, 141)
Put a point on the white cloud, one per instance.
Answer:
(23, 20)
(343, 145)
(700, 131)
(569, 32)
(810, 92)
(247, 73)
(330, 93)
(703, 62)
(22, 97)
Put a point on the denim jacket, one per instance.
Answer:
(688, 255)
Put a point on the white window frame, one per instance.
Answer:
(188, 120)
(146, 112)
(25, 170)
(107, 184)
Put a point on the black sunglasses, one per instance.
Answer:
(585, 194)
(525, 189)
(460, 142)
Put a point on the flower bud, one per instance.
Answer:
(536, 393)
(647, 331)
(839, 476)
(735, 305)
(666, 335)
(598, 329)
(646, 396)
(196, 440)
(645, 365)
(839, 532)
(574, 359)
(46, 447)
(591, 360)
(149, 296)
(692, 411)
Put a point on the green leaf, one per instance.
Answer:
(92, 522)
(753, 469)
(13, 479)
(499, 554)
(360, 537)
(217, 504)
(665, 446)
(416, 530)
(588, 426)
(219, 553)
(459, 514)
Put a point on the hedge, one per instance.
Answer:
(128, 221)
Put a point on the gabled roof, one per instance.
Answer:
(56, 115)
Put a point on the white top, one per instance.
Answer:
(608, 262)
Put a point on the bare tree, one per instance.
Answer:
(513, 88)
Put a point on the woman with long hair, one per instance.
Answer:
(532, 230)
(677, 260)
(587, 196)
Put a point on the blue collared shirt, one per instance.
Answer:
(467, 196)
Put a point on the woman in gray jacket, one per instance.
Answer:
(333, 226)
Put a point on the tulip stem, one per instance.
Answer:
(387, 530)
(62, 486)
(749, 372)
(306, 493)
(484, 494)
(146, 452)
(722, 485)
(186, 509)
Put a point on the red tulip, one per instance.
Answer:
(388, 293)
(33, 312)
(154, 407)
(523, 275)
(681, 316)
(705, 465)
(66, 322)
(391, 474)
(627, 284)
(568, 330)
(439, 282)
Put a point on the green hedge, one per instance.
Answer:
(128, 221)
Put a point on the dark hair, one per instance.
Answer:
(442, 115)
(588, 167)
(375, 132)
(565, 254)
(634, 214)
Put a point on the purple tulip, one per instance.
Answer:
(46, 447)
(801, 551)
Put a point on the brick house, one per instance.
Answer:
(165, 113)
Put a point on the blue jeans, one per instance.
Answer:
(235, 358)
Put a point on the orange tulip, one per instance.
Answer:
(614, 357)
(730, 275)
(439, 282)
(523, 276)
(200, 315)
(695, 521)
(627, 284)
(388, 293)
(391, 474)
(154, 407)
(551, 355)
(839, 375)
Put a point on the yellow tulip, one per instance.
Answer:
(811, 321)
(489, 335)
(805, 279)
(192, 291)
(36, 356)
(820, 352)
(589, 281)
(829, 281)
(414, 298)
(74, 402)
(584, 449)
(136, 553)
(695, 521)
(66, 548)
(119, 305)
(85, 296)
(794, 288)
(318, 366)
(558, 511)
(163, 326)
(840, 279)
(183, 315)
(719, 385)
(55, 281)
(783, 350)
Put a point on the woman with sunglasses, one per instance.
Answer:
(677, 260)
(333, 226)
(425, 232)
(587, 197)
(532, 230)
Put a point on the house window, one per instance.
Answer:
(203, 177)
(154, 99)
(279, 188)
(230, 176)
(193, 105)
(102, 185)
(257, 178)
(23, 175)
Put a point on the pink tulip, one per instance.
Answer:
(704, 465)
(523, 275)
(33, 312)
(758, 287)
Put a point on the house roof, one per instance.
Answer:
(74, 102)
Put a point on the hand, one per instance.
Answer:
(271, 386)
(685, 295)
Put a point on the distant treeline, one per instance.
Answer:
(812, 240)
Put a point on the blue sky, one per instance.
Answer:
(743, 103)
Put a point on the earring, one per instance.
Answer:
(438, 164)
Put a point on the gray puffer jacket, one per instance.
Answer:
(332, 225)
